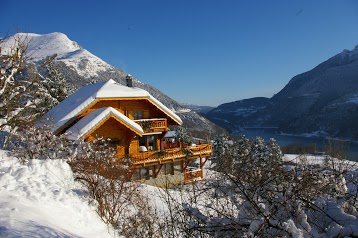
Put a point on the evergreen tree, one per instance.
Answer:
(54, 82)
(19, 89)
(25, 95)
(182, 135)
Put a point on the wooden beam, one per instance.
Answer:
(206, 159)
(157, 172)
(186, 165)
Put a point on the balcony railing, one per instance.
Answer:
(162, 156)
(153, 125)
(193, 175)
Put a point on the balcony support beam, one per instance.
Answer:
(156, 172)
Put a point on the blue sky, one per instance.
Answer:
(198, 51)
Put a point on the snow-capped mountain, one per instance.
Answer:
(81, 67)
(67, 51)
(322, 100)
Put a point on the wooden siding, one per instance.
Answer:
(133, 149)
(119, 133)
(106, 103)
(149, 110)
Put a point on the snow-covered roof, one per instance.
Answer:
(90, 121)
(85, 96)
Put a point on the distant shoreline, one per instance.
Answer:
(318, 135)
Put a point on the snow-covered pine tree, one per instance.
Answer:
(18, 89)
(54, 81)
(182, 135)
(25, 95)
(221, 147)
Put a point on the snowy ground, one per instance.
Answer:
(41, 199)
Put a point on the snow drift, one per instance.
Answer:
(41, 199)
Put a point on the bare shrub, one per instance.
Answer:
(108, 180)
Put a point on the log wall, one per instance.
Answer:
(120, 135)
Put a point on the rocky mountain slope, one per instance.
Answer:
(81, 67)
(323, 101)
(197, 108)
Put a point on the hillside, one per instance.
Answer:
(81, 67)
(41, 199)
(322, 101)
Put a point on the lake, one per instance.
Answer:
(283, 140)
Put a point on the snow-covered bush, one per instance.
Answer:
(255, 194)
(33, 142)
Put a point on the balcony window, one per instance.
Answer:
(149, 142)
(138, 115)
(152, 142)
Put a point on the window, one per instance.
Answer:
(149, 142)
(138, 115)
(142, 141)
(152, 143)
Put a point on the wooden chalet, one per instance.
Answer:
(136, 123)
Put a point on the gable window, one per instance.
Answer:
(138, 115)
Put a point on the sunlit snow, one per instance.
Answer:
(67, 51)
(41, 199)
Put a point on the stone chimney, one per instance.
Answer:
(129, 80)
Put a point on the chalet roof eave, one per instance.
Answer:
(96, 118)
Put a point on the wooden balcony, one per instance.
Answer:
(153, 125)
(171, 155)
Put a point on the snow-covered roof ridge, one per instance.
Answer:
(72, 106)
(89, 122)
(79, 101)
(112, 89)
(169, 112)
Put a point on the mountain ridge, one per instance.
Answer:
(321, 101)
